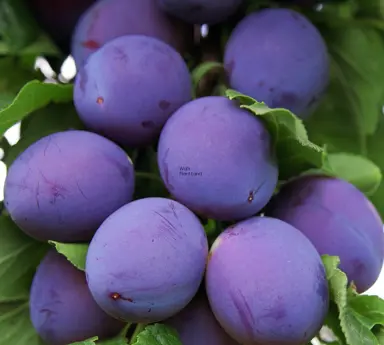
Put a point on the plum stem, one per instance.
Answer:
(151, 176)
(140, 327)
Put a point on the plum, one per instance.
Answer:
(266, 283)
(339, 220)
(201, 11)
(109, 19)
(66, 184)
(196, 324)
(128, 89)
(216, 159)
(147, 260)
(62, 308)
(277, 56)
(59, 17)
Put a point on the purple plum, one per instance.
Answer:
(62, 308)
(147, 260)
(278, 56)
(128, 89)
(65, 185)
(216, 159)
(196, 324)
(339, 220)
(266, 283)
(109, 19)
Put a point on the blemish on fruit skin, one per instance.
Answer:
(100, 100)
(91, 44)
(148, 124)
(164, 105)
(116, 296)
(250, 197)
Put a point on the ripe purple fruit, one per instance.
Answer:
(277, 56)
(147, 260)
(62, 308)
(216, 159)
(63, 186)
(128, 89)
(196, 324)
(109, 19)
(266, 283)
(339, 220)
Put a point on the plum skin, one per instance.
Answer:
(266, 283)
(339, 220)
(61, 306)
(110, 19)
(64, 185)
(147, 260)
(216, 159)
(201, 11)
(128, 89)
(286, 65)
(197, 325)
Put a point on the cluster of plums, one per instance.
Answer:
(264, 281)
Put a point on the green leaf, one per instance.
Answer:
(91, 341)
(295, 153)
(33, 96)
(352, 106)
(76, 253)
(16, 327)
(157, 334)
(358, 170)
(17, 27)
(370, 307)
(51, 119)
(19, 257)
(357, 314)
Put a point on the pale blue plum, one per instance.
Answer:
(217, 159)
(339, 220)
(147, 260)
(65, 185)
(278, 56)
(62, 308)
(130, 87)
(109, 19)
(266, 283)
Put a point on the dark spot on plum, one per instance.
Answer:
(153, 240)
(322, 285)
(312, 101)
(196, 8)
(287, 99)
(83, 79)
(303, 26)
(149, 310)
(229, 67)
(277, 311)
(100, 100)
(164, 105)
(261, 83)
(148, 124)
(116, 296)
(250, 197)
(91, 44)
(271, 89)
(295, 16)
(358, 267)
(120, 54)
